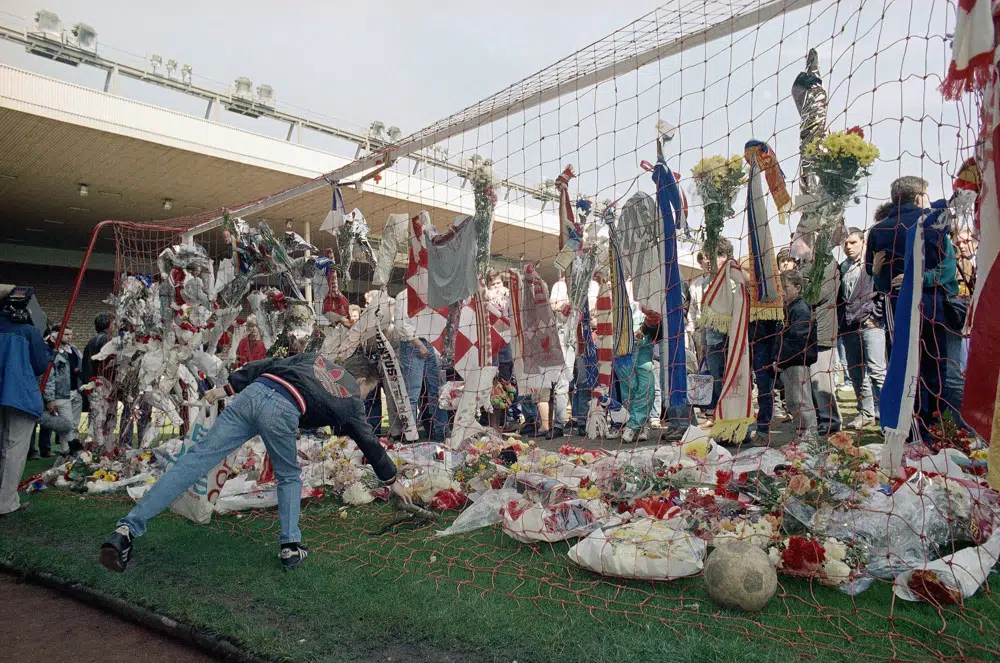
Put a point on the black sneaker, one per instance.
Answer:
(292, 555)
(117, 550)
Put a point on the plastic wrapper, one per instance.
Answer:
(450, 395)
(900, 531)
(485, 511)
(958, 576)
(527, 521)
(644, 548)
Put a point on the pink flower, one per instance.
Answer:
(799, 485)
(841, 441)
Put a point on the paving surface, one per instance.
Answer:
(40, 624)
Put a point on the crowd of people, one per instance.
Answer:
(797, 362)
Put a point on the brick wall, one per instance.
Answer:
(53, 287)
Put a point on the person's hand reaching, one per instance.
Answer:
(399, 490)
(213, 395)
(878, 262)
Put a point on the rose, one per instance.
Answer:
(835, 572)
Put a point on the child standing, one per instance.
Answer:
(796, 350)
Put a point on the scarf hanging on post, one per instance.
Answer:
(623, 342)
(971, 51)
(900, 388)
(673, 362)
(429, 323)
(765, 286)
(603, 331)
(538, 356)
(733, 413)
(570, 230)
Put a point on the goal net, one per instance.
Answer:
(666, 239)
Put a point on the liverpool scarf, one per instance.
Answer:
(538, 356)
(733, 414)
(674, 363)
(570, 230)
(971, 50)
(766, 287)
(604, 331)
(621, 310)
(900, 386)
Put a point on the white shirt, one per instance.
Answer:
(403, 328)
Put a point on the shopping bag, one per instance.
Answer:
(699, 386)
(198, 502)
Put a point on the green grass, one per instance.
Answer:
(404, 596)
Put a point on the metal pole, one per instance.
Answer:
(309, 281)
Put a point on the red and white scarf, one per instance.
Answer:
(734, 412)
(972, 49)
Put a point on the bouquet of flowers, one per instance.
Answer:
(830, 561)
(717, 180)
(479, 470)
(840, 160)
(482, 180)
(644, 548)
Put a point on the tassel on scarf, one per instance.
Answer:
(731, 430)
(971, 51)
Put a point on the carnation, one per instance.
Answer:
(835, 572)
(356, 494)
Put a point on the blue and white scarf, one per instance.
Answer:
(901, 379)
(673, 362)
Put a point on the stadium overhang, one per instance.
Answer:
(131, 158)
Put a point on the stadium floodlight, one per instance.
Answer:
(167, 204)
(83, 190)
(171, 67)
(155, 62)
(85, 38)
(265, 95)
(395, 133)
(186, 73)
(243, 89)
(48, 25)
(376, 129)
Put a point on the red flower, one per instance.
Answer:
(930, 588)
(656, 508)
(497, 482)
(722, 480)
(448, 499)
(802, 556)
(584, 482)
(857, 131)
(514, 511)
(567, 450)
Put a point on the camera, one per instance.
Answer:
(22, 307)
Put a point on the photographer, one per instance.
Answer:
(23, 358)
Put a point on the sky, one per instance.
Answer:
(409, 64)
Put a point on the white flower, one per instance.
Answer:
(835, 550)
(356, 494)
(835, 572)
(774, 555)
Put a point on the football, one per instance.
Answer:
(740, 576)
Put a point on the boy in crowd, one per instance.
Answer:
(274, 397)
(796, 352)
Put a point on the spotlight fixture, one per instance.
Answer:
(83, 190)
(395, 133)
(85, 37)
(48, 24)
(167, 204)
(376, 129)
(265, 95)
(243, 89)
(186, 72)
(155, 62)
(171, 67)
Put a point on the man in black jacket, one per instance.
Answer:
(275, 398)
(796, 351)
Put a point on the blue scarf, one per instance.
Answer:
(673, 363)
(589, 348)
(901, 378)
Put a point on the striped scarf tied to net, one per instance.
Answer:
(765, 286)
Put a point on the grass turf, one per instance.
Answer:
(373, 592)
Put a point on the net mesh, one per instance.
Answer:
(817, 84)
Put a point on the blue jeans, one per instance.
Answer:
(715, 360)
(257, 410)
(866, 361)
(418, 371)
(762, 355)
(954, 372)
(582, 393)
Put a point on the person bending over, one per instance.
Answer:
(273, 398)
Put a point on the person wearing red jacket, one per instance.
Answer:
(251, 348)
